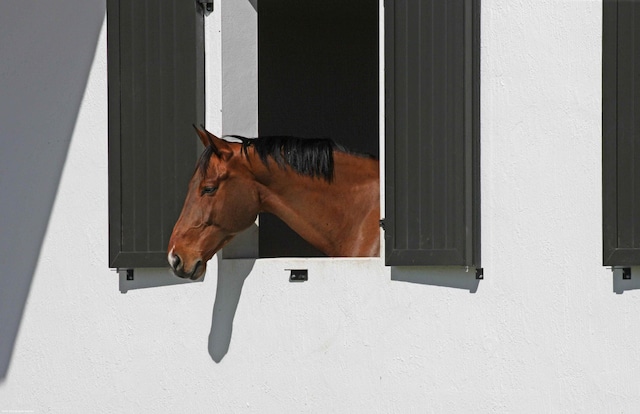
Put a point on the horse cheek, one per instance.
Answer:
(243, 211)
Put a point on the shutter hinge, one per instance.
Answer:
(207, 6)
(626, 272)
(382, 224)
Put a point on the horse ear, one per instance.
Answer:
(222, 147)
(204, 138)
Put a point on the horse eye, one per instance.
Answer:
(209, 190)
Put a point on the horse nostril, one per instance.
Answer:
(195, 268)
(176, 261)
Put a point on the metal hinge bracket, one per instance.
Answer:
(207, 6)
(298, 275)
(626, 271)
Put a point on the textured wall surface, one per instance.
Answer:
(549, 329)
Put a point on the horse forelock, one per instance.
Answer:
(203, 162)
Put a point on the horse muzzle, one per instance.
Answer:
(181, 269)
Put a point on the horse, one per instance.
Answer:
(325, 193)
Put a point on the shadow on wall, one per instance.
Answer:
(233, 273)
(231, 277)
(457, 278)
(47, 54)
(243, 249)
(149, 278)
(620, 284)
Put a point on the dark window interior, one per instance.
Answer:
(317, 77)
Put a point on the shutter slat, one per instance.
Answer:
(626, 125)
(611, 254)
(634, 112)
(427, 102)
(409, 157)
(441, 57)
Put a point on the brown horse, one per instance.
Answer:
(329, 196)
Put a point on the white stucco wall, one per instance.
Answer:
(548, 330)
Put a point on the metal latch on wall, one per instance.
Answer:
(298, 275)
(207, 6)
(626, 271)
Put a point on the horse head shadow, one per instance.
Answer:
(235, 263)
(231, 277)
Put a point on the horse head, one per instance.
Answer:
(222, 200)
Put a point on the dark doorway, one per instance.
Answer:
(317, 77)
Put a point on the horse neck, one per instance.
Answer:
(329, 215)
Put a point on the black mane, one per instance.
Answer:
(312, 157)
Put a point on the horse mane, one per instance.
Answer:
(312, 157)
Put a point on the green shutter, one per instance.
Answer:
(620, 129)
(156, 92)
(432, 199)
